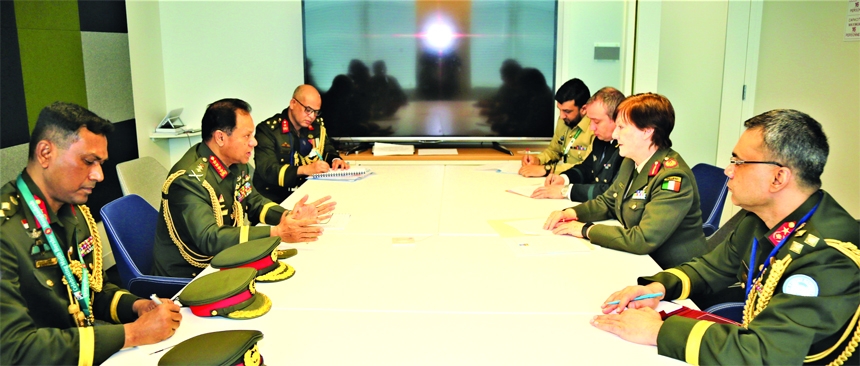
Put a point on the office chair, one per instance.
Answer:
(713, 188)
(130, 225)
(144, 177)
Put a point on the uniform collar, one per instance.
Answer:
(787, 224)
(37, 193)
(215, 164)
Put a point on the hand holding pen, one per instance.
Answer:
(559, 217)
(634, 297)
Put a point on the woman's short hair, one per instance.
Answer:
(649, 110)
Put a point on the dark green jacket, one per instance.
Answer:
(664, 223)
(791, 326)
(277, 158)
(202, 213)
(35, 325)
(596, 173)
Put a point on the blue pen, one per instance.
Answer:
(643, 297)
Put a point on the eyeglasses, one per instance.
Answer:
(308, 110)
(739, 162)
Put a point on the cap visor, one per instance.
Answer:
(282, 272)
(261, 305)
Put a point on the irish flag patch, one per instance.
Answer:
(672, 184)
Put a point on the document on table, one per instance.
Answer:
(530, 226)
(525, 190)
(507, 167)
(337, 221)
(383, 149)
(437, 151)
(548, 245)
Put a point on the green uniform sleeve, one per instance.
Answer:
(24, 342)
(649, 223)
(192, 213)
(258, 206)
(785, 331)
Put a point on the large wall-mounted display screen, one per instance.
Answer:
(447, 70)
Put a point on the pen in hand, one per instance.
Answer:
(155, 299)
(637, 298)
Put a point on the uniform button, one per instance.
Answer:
(633, 207)
(615, 195)
(597, 179)
(49, 283)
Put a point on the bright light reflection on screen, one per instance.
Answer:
(432, 68)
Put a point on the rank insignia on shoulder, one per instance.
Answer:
(654, 168)
(811, 240)
(796, 247)
(670, 162)
(672, 184)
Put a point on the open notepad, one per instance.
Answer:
(348, 175)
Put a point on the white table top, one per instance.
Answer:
(419, 277)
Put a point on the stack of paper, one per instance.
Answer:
(383, 149)
(348, 175)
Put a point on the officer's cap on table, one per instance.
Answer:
(225, 348)
(260, 254)
(229, 293)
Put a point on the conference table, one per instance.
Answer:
(426, 271)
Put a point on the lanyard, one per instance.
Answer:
(82, 292)
(775, 248)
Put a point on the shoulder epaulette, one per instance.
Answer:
(197, 169)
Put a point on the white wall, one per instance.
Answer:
(581, 25)
(251, 50)
(804, 64)
(147, 76)
(690, 74)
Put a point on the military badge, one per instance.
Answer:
(796, 247)
(670, 162)
(218, 166)
(285, 126)
(672, 184)
(800, 285)
(654, 168)
(781, 232)
(86, 246)
(285, 145)
(811, 240)
(639, 195)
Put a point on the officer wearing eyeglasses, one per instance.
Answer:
(293, 145)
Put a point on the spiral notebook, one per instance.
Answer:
(348, 175)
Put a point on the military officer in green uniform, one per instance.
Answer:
(293, 145)
(53, 289)
(794, 253)
(572, 139)
(209, 190)
(596, 173)
(654, 196)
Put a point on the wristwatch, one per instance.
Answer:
(548, 167)
(565, 191)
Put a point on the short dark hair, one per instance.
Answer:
(60, 122)
(796, 140)
(221, 115)
(650, 110)
(575, 90)
(610, 97)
